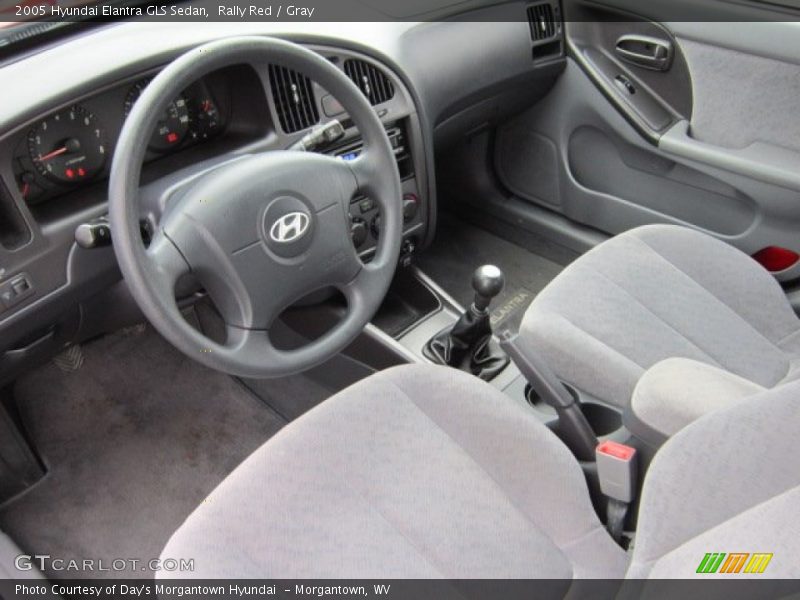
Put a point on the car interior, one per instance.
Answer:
(494, 290)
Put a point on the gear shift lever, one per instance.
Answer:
(488, 282)
(468, 345)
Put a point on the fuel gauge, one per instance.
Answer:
(171, 128)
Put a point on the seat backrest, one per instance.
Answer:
(728, 483)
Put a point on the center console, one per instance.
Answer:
(365, 220)
(419, 319)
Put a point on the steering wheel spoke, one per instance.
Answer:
(167, 264)
(364, 289)
(362, 170)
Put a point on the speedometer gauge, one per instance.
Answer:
(69, 146)
(173, 125)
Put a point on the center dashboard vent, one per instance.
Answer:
(370, 80)
(294, 99)
(542, 21)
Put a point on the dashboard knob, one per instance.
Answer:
(410, 207)
(358, 232)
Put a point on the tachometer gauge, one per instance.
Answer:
(69, 146)
(173, 125)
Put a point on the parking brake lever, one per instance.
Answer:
(573, 428)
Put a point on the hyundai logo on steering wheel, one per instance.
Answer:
(290, 227)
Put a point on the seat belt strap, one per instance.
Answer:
(616, 511)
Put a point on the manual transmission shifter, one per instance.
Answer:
(488, 282)
(468, 345)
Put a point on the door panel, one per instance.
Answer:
(656, 183)
(708, 137)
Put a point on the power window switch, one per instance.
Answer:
(20, 286)
(7, 295)
(15, 290)
(625, 84)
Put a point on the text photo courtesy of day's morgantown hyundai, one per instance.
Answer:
(404, 299)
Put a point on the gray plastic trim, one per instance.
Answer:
(759, 160)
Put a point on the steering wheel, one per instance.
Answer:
(259, 232)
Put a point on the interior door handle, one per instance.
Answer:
(645, 51)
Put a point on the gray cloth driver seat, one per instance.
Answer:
(426, 472)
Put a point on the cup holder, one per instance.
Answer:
(536, 402)
(602, 419)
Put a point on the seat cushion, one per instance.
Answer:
(727, 483)
(420, 472)
(657, 292)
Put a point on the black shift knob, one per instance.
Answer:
(487, 281)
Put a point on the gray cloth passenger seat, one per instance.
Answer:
(663, 292)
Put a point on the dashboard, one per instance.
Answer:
(55, 168)
(58, 134)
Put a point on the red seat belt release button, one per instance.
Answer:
(616, 468)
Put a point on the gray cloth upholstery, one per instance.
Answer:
(657, 292)
(419, 471)
(676, 391)
(729, 482)
(733, 111)
(426, 472)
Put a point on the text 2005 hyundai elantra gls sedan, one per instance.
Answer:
(456, 299)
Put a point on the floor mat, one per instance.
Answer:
(460, 248)
(133, 440)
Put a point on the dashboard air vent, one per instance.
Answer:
(370, 80)
(542, 22)
(294, 99)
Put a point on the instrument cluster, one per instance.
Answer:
(73, 147)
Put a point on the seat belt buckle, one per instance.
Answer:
(616, 469)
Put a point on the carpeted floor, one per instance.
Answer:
(460, 248)
(134, 440)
